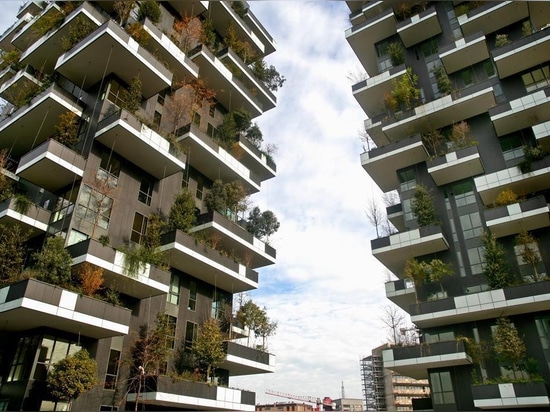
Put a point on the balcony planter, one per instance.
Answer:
(510, 395)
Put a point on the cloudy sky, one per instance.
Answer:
(326, 291)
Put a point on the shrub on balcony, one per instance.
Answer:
(496, 271)
(444, 84)
(433, 141)
(506, 197)
(151, 10)
(132, 97)
(138, 33)
(460, 136)
(22, 203)
(12, 254)
(11, 59)
(208, 346)
(268, 75)
(397, 53)
(182, 214)
(208, 37)
(243, 49)
(405, 90)
(532, 154)
(526, 28)
(91, 278)
(529, 252)
(79, 29)
(239, 8)
(66, 130)
(53, 263)
(228, 199)
(422, 206)
(501, 40)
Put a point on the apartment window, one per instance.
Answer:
(191, 333)
(111, 375)
(477, 259)
(219, 303)
(171, 329)
(543, 328)
(174, 291)
(467, 77)
(145, 191)
(94, 207)
(537, 79)
(384, 60)
(489, 68)
(23, 354)
(429, 47)
(54, 406)
(110, 164)
(192, 302)
(108, 408)
(407, 179)
(161, 97)
(139, 228)
(530, 271)
(196, 119)
(50, 351)
(463, 193)
(511, 146)
(212, 110)
(211, 131)
(407, 210)
(439, 336)
(157, 118)
(442, 388)
(471, 225)
(200, 187)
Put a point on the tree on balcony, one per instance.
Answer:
(66, 130)
(12, 254)
(532, 154)
(268, 75)
(242, 48)
(123, 8)
(91, 278)
(529, 252)
(501, 40)
(71, 377)
(149, 9)
(422, 206)
(506, 197)
(496, 270)
(444, 84)
(405, 90)
(460, 137)
(397, 53)
(228, 199)
(133, 95)
(182, 214)
(79, 29)
(11, 59)
(138, 33)
(433, 141)
(209, 36)
(53, 263)
(508, 345)
(187, 32)
(421, 272)
(262, 224)
(239, 8)
(208, 346)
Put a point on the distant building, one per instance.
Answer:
(385, 390)
(285, 406)
(348, 404)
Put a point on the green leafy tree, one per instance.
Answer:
(404, 88)
(151, 10)
(228, 199)
(182, 213)
(255, 136)
(208, 347)
(529, 254)
(249, 315)
(440, 270)
(53, 262)
(132, 96)
(496, 268)
(422, 206)
(239, 8)
(265, 328)
(215, 199)
(72, 376)
(444, 84)
(262, 224)
(508, 345)
(81, 28)
(67, 129)
(151, 349)
(397, 54)
(12, 253)
(268, 75)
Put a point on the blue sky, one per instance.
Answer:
(326, 291)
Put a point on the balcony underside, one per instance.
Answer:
(111, 50)
(417, 368)
(249, 362)
(189, 7)
(502, 14)
(19, 87)
(515, 223)
(465, 54)
(32, 32)
(455, 169)
(257, 162)
(522, 113)
(7, 37)
(524, 57)
(542, 134)
(420, 29)
(32, 223)
(370, 97)
(402, 297)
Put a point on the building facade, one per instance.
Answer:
(128, 144)
(386, 390)
(456, 96)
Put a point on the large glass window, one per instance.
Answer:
(145, 190)
(477, 259)
(171, 335)
(442, 388)
(19, 367)
(112, 369)
(191, 333)
(471, 225)
(220, 302)
(94, 207)
(463, 193)
(543, 328)
(429, 47)
(110, 164)
(174, 291)
(50, 351)
(407, 179)
(139, 228)
(439, 336)
(511, 146)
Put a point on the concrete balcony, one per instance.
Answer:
(464, 52)
(509, 396)
(149, 281)
(243, 360)
(528, 215)
(402, 292)
(364, 36)
(259, 30)
(369, 92)
(394, 250)
(441, 112)
(44, 52)
(87, 62)
(165, 393)
(230, 92)
(161, 46)
(456, 165)
(33, 222)
(213, 161)
(35, 122)
(49, 159)
(493, 16)
(189, 8)
(490, 185)
(382, 163)
(521, 113)
(34, 29)
(414, 361)
(513, 300)
(419, 27)
(7, 37)
(396, 216)
(6, 74)
(207, 264)
(522, 54)
(134, 141)
(20, 87)
(258, 162)
(541, 132)
(235, 239)
(32, 304)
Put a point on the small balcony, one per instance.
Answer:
(49, 159)
(207, 264)
(35, 122)
(6, 74)
(43, 53)
(396, 216)
(230, 92)
(7, 37)
(493, 16)
(401, 292)
(393, 251)
(455, 166)
(508, 396)
(513, 300)
(414, 361)
(528, 215)
(37, 27)
(541, 132)
(257, 161)
(189, 8)
(441, 112)
(383, 162)
(213, 161)
(364, 36)
(150, 281)
(33, 221)
(160, 44)
(87, 62)
(521, 113)
(464, 52)
(419, 27)
(32, 304)
(369, 92)
(259, 30)
(134, 141)
(165, 393)
(236, 239)
(242, 360)
(490, 185)
(20, 87)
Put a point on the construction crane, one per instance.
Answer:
(310, 399)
